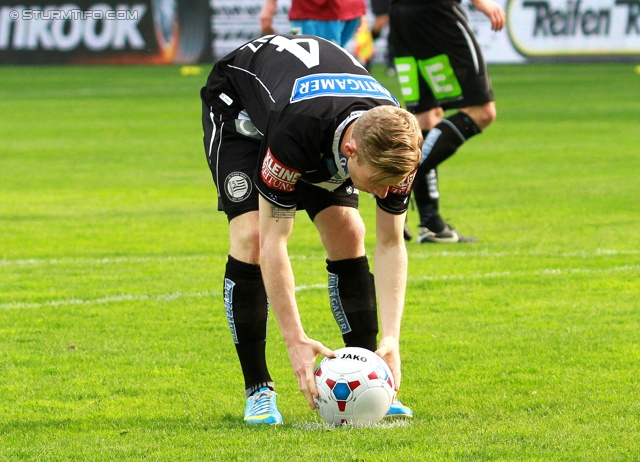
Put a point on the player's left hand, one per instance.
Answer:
(389, 350)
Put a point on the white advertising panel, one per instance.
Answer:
(536, 29)
(552, 28)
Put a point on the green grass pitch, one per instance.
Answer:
(113, 339)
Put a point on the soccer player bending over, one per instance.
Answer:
(291, 123)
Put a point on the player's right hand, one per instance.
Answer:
(303, 356)
(493, 11)
(266, 17)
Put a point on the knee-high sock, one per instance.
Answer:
(440, 143)
(353, 301)
(246, 305)
(427, 197)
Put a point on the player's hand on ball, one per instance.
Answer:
(389, 350)
(303, 356)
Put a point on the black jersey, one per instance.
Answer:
(301, 93)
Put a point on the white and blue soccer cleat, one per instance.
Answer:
(261, 408)
(398, 411)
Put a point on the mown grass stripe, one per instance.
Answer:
(301, 288)
(465, 254)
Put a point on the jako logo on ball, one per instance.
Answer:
(356, 387)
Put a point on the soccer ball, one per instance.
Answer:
(356, 387)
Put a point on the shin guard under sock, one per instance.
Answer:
(246, 305)
(353, 301)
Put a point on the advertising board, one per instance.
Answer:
(99, 31)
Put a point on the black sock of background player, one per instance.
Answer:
(440, 143)
(443, 140)
(427, 197)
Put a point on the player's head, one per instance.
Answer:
(388, 143)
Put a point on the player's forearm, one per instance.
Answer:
(276, 225)
(266, 16)
(390, 270)
(280, 286)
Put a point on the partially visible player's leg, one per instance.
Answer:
(352, 292)
(351, 287)
(232, 155)
(444, 139)
(441, 142)
(440, 65)
(247, 310)
(352, 297)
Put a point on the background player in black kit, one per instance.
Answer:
(294, 121)
(440, 66)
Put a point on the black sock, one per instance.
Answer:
(440, 143)
(427, 197)
(252, 390)
(245, 301)
(443, 140)
(353, 301)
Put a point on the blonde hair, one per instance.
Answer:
(389, 139)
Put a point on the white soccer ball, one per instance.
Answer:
(356, 387)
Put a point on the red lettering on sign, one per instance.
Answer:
(278, 176)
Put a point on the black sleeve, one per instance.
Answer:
(395, 204)
(289, 150)
(397, 200)
(379, 7)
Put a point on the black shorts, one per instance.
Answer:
(232, 146)
(438, 58)
(379, 7)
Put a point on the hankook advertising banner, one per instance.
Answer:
(105, 31)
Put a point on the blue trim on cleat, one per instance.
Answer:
(261, 408)
(398, 411)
